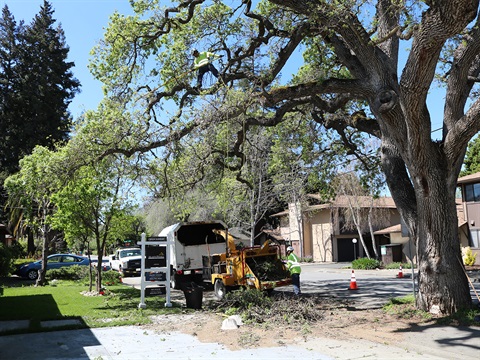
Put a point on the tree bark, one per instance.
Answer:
(443, 287)
(30, 242)
(41, 279)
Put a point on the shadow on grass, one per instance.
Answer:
(15, 281)
(32, 307)
(40, 312)
(126, 291)
(124, 299)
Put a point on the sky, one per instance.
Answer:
(84, 23)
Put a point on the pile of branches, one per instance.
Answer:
(256, 307)
(267, 268)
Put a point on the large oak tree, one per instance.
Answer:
(350, 81)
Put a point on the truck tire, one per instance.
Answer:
(174, 283)
(219, 289)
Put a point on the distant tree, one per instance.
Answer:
(10, 104)
(94, 204)
(33, 187)
(9, 100)
(158, 215)
(471, 163)
(359, 213)
(48, 82)
(37, 87)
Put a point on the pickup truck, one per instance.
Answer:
(127, 261)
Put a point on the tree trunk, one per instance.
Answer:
(41, 279)
(98, 281)
(252, 218)
(426, 201)
(374, 243)
(370, 227)
(364, 246)
(30, 242)
(90, 274)
(442, 284)
(356, 216)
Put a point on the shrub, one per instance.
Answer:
(396, 266)
(365, 264)
(18, 249)
(6, 260)
(75, 272)
(111, 277)
(468, 256)
(20, 262)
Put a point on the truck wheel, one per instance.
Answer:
(174, 283)
(219, 289)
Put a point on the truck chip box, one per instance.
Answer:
(190, 243)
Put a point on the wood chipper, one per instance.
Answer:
(258, 267)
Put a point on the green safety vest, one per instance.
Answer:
(203, 59)
(293, 265)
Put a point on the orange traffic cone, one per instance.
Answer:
(353, 282)
(400, 272)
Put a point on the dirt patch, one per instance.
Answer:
(340, 321)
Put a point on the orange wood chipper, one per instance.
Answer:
(258, 267)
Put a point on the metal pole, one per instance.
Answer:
(168, 245)
(142, 304)
(354, 241)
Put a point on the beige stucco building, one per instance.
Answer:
(322, 227)
(326, 239)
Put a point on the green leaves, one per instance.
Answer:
(472, 158)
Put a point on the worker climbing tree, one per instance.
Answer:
(203, 65)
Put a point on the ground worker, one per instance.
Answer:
(203, 64)
(293, 265)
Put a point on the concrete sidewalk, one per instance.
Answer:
(141, 342)
(130, 343)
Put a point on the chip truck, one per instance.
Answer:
(190, 242)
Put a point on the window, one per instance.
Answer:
(68, 259)
(475, 241)
(55, 259)
(131, 252)
(472, 192)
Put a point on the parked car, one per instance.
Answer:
(30, 270)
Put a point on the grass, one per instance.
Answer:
(119, 305)
(404, 307)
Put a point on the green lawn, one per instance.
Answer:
(65, 301)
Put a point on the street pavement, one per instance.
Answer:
(139, 342)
